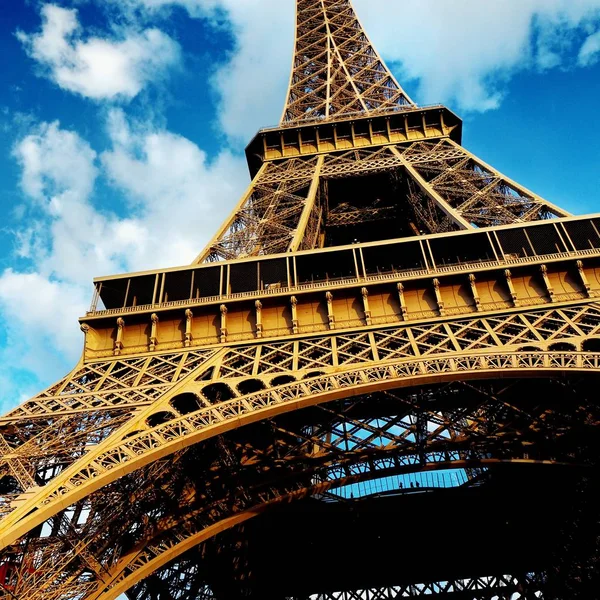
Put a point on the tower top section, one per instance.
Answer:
(336, 71)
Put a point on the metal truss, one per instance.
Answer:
(155, 515)
(268, 216)
(500, 587)
(474, 190)
(100, 391)
(449, 189)
(126, 475)
(335, 70)
(41, 437)
(213, 398)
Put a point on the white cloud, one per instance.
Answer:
(55, 161)
(195, 8)
(590, 51)
(252, 85)
(181, 197)
(176, 197)
(464, 52)
(98, 68)
(461, 53)
(40, 323)
(58, 176)
(40, 304)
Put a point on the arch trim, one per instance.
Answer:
(101, 468)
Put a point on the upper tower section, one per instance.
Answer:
(355, 160)
(336, 71)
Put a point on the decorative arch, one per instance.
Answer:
(335, 466)
(119, 456)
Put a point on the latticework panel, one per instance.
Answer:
(267, 218)
(149, 519)
(274, 372)
(501, 587)
(43, 436)
(336, 71)
(475, 191)
(447, 188)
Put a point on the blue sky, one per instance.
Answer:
(124, 123)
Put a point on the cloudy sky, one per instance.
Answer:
(124, 121)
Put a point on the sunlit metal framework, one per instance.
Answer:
(336, 71)
(370, 384)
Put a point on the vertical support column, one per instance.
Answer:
(584, 279)
(154, 298)
(403, 308)
(356, 269)
(189, 316)
(119, 340)
(127, 293)
(511, 287)
(294, 305)
(153, 332)
(330, 315)
(549, 288)
(365, 296)
(223, 323)
(192, 284)
(438, 296)
(161, 295)
(259, 325)
(474, 292)
(96, 297)
(308, 206)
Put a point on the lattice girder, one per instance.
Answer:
(462, 190)
(266, 360)
(336, 70)
(474, 190)
(407, 355)
(99, 466)
(326, 466)
(500, 587)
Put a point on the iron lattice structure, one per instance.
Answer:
(370, 384)
(336, 71)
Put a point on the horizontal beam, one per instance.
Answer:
(362, 131)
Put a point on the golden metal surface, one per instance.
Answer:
(285, 325)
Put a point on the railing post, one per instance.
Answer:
(474, 292)
(294, 305)
(259, 326)
(584, 279)
(403, 308)
(511, 288)
(330, 315)
(438, 296)
(85, 328)
(544, 272)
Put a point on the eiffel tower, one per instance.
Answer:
(376, 381)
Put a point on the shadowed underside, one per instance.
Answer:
(316, 409)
